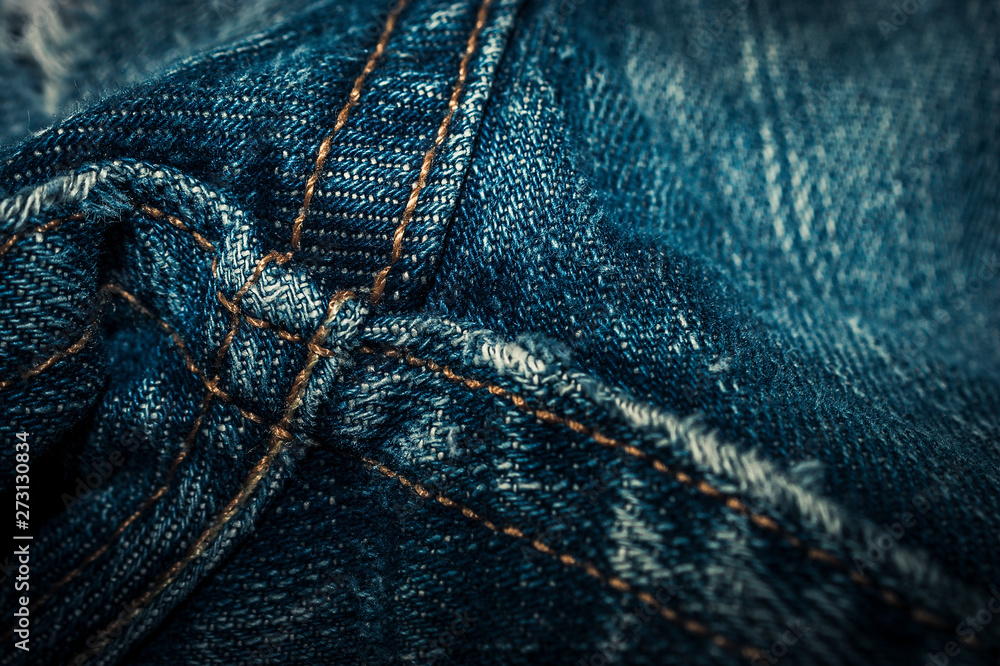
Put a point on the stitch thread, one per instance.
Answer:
(189, 363)
(51, 225)
(280, 435)
(39, 229)
(616, 583)
(210, 384)
(58, 356)
(923, 617)
(280, 432)
(378, 287)
(352, 99)
(733, 503)
(201, 241)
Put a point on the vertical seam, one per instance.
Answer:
(378, 286)
(280, 433)
(352, 99)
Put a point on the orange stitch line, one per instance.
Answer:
(202, 242)
(134, 302)
(210, 384)
(425, 168)
(280, 432)
(919, 615)
(352, 99)
(39, 229)
(280, 435)
(212, 391)
(922, 617)
(264, 324)
(614, 582)
(55, 358)
(234, 305)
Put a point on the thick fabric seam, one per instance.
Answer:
(891, 598)
(219, 394)
(731, 502)
(280, 433)
(378, 286)
(918, 615)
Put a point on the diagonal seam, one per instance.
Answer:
(610, 580)
(378, 286)
(189, 363)
(280, 435)
(920, 616)
(731, 502)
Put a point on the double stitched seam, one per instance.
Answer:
(414, 362)
(425, 168)
(280, 435)
(317, 350)
(614, 582)
(920, 616)
(280, 432)
(221, 395)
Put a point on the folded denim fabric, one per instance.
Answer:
(494, 332)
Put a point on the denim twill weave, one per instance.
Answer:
(506, 332)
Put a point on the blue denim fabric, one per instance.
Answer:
(569, 331)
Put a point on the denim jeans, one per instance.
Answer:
(562, 331)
